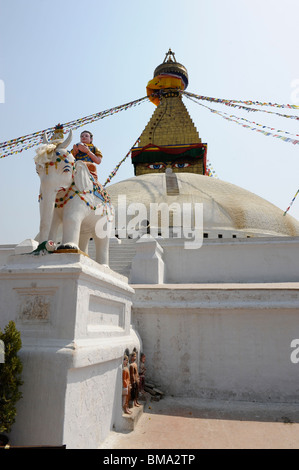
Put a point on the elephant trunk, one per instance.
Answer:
(47, 205)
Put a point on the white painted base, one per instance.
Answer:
(220, 341)
(74, 316)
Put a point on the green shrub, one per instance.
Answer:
(10, 377)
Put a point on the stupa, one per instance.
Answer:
(216, 321)
(170, 167)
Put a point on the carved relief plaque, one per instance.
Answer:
(35, 304)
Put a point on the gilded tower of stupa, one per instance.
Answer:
(170, 139)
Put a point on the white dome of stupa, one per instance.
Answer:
(228, 210)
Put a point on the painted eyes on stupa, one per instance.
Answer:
(156, 166)
(159, 166)
(181, 165)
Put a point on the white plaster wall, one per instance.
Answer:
(264, 259)
(40, 412)
(5, 252)
(225, 342)
(92, 400)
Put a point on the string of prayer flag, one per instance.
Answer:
(18, 145)
(239, 105)
(291, 203)
(260, 127)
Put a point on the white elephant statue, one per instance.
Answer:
(69, 198)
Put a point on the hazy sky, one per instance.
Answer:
(63, 60)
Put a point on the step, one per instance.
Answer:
(129, 422)
(120, 255)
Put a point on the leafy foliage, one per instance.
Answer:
(10, 377)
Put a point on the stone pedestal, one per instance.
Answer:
(74, 318)
(147, 264)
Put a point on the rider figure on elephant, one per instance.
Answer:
(88, 153)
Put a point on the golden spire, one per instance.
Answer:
(169, 54)
(170, 139)
(171, 66)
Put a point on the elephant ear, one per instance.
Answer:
(82, 178)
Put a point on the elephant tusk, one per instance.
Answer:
(45, 138)
(67, 141)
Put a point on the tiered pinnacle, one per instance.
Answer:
(170, 139)
(170, 124)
